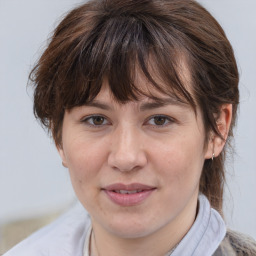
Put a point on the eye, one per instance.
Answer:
(160, 120)
(95, 120)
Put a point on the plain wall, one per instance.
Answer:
(32, 179)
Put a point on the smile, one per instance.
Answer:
(128, 195)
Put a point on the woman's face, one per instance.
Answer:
(135, 167)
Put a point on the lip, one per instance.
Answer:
(144, 191)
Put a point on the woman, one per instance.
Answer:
(141, 99)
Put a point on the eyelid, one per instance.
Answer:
(168, 118)
(85, 119)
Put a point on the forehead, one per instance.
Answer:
(148, 78)
(160, 99)
(162, 79)
(153, 86)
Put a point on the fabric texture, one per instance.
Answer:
(206, 233)
(63, 237)
(69, 236)
(236, 244)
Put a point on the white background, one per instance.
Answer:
(32, 179)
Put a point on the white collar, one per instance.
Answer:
(206, 233)
(86, 251)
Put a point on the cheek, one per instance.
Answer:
(181, 161)
(84, 160)
(84, 164)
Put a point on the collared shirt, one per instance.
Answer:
(206, 233)
(70, 235)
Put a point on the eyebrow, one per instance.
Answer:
(98, 104)
(144, 106)
(161, 103)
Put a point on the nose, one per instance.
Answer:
(127, 151)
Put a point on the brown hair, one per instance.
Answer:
(112, 39)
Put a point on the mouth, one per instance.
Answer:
(127, 191)
(128, 195)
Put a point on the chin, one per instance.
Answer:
(131, 233)
(132, 229)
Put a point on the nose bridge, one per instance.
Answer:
(127, 150)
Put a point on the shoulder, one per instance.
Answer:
(236, 244)
(64, 237)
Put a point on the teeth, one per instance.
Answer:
(127, 192)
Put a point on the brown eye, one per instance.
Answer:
(160, 120)
(98, 120)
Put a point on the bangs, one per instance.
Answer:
(116, 51)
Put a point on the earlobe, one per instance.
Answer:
(217, 143)
(62, 155)
(64, 164)
(210, 152)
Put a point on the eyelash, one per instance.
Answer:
(167, 120)
(90, 119)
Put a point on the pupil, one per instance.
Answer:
(98, 120)
(159, 120)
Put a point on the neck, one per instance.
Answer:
(104, 243)
(125, 248)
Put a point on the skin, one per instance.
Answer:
(138, 142)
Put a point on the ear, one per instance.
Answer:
(216, 143)
(62, 155)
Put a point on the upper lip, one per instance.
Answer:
(128, 187)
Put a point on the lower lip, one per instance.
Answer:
(128, 199)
